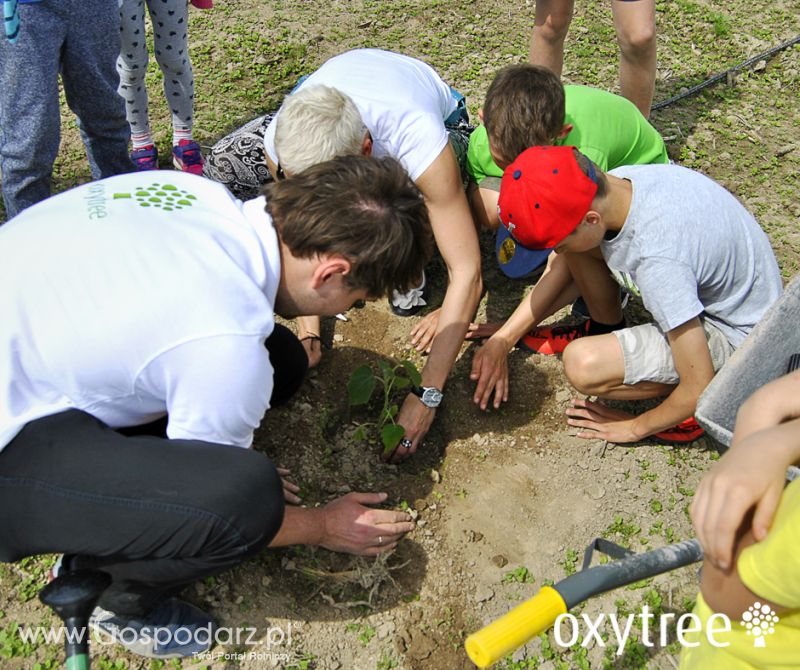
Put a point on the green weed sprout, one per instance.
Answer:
(362, 384)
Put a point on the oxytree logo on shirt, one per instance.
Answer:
(163, 196)
(759, 620)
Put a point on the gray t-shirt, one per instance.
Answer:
(692, 248)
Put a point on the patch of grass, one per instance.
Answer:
(12, 645)
(306, 661)
(387, 662)
(520, 575)
(570, 562)
(364, 632)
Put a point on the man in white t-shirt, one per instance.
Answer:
(140, 353)
(378, 103)
(703, 266)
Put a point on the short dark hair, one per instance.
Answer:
(594, 173)
(524, 108)
(365, 209)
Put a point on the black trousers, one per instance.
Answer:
(155, 514)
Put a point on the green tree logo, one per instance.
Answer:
(166, 197)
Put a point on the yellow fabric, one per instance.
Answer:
(772, 570)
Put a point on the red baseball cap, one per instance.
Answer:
(544, 195)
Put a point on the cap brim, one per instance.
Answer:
(515, 260)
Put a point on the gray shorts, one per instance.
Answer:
(648, 357)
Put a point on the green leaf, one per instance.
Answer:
(386, 370)
(392, 411)
(391, 435)
(401, 382)
(360, 434)
(412, 372)
(360, 385)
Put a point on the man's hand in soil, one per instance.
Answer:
(352, 528)
(490, 371)
(423, 333)
(599, 422)
(290, 490)
(416, 418)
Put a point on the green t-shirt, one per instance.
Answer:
(607, 128)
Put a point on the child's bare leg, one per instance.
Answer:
(596, 285)
(635, 23)
(551, 24)
(596, 366)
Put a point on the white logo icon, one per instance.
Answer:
(760, 621)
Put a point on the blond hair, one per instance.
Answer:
(315, 124)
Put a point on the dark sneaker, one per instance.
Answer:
(145, 158)
(173, 629)
(552, 340)
(188, 157)
(684, 433)
(581, 310)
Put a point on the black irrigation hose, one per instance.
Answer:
(724, 75)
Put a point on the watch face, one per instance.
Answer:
(432, 397)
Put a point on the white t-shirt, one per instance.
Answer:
(402, 101)
(136, 296)
(692, 248)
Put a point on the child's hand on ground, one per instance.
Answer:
(351, 527)
(599, 422)
(751, 474)
(423, 333)
(290, 490)
(479, 331)
(490, 371)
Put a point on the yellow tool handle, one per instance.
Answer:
(514, 629)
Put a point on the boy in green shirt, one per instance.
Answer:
(526, 106)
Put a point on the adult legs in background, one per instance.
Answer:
(30, 124)
(551, 24)
(635, 23)
(91, 81)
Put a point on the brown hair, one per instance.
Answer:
(365, 209)
(524, 108)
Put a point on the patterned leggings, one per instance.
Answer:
(238, 161)
(169, 18)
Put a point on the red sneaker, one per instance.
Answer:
(552, 340)
(684, 433)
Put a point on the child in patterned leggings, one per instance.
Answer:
(169, 19)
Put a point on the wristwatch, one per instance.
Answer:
(430, 395)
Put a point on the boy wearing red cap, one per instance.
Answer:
(703, 266)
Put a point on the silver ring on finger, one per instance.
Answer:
(405, 443)
(380, 539)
